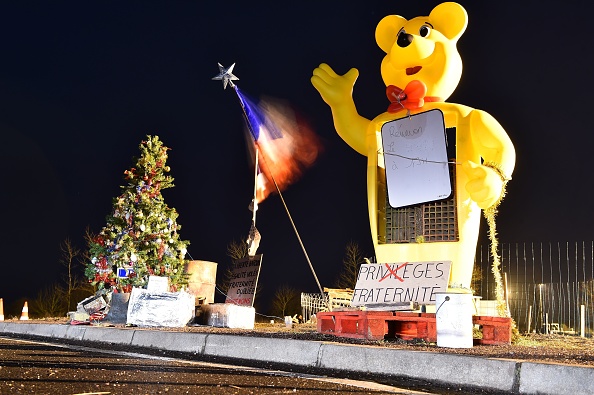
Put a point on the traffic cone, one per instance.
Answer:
(1, 309)
(25, 312)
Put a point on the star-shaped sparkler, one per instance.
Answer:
(226, 75)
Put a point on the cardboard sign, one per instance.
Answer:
(244, 280)
(416, 159)
(158, 284)
(384, 284)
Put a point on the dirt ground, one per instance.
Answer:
(563, 349)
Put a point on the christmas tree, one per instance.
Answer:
(141, 236)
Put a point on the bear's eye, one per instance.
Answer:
(424, 31)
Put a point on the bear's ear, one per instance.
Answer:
(450, 19)
(387, 30)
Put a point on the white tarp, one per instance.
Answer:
(168, 309)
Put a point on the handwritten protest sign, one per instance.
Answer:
(416, 159)
(244, 280)
(400, 283)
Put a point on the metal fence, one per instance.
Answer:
(312, 304)
(330, 300)
(549, 286)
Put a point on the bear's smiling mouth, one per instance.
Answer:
(413, 70)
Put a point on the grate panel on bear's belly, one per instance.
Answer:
(428, 222)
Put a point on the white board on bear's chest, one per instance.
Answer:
(416, 160)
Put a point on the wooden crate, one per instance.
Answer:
(496, 330)
(354, 324)
(377, 325)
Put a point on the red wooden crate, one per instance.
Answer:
(496, 330)
(354, 324)
(377, 325)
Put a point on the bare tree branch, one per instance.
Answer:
(50, 302)
(285, 301)
(353, 259)
(235, 250)
(69, 254)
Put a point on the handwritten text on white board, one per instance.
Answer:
(398, 283)
(415, 159)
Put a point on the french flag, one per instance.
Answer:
(286, 145)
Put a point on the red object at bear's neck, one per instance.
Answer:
(412, 97)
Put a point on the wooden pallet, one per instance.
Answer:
(496, 330)
(377, 325)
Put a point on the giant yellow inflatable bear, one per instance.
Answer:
(421, 69)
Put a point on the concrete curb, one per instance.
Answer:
(556, 379)
(434, 367)
(503, 375)
(280, 351)
(114, 336)
(193, 343)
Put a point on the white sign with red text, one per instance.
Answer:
(399, 283)
(244, 281)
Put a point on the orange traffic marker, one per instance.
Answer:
(1, 309)
(25, 312)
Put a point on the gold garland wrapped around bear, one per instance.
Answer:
(490, 214)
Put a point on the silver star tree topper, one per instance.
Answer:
(226, 75)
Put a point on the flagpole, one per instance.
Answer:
(253, 133)
(226, 75)
(255, 202)
(281, 197)
(300, 241)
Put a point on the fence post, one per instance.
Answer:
(529, 318)
(583, 320)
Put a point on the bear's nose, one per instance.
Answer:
(404, 39)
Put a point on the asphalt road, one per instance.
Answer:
(28, 367)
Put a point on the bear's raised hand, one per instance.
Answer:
(335, 89)
(484, 184)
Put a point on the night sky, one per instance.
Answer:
(82, 83)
